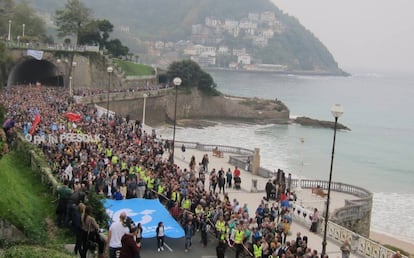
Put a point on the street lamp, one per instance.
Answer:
(177, 82)
(23, 26)
(70, 85)
(74, 64)
(109, 70)
(337, 110)
(145, 95)
(9, 36)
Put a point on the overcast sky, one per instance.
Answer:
(368, 34)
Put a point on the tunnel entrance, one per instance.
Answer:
(31, 71)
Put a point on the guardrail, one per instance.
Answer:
(119, 96)
(51, 47)
(210, 147)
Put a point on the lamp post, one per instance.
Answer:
(9, 35)
(70, 85)
(109, 70)
(74, 64)
(23, 26)
(145, 95)
(337, 110)
(177, 82)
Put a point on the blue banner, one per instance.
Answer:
(148, 213)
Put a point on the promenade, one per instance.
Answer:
(252, 199)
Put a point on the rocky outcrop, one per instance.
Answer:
(160, 107)
(9, 232)
(306, 121)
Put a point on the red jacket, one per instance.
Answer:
(129, 247)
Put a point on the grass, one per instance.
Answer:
(28, 204)
(24, 251)
(134, 69)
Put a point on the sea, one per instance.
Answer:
(377, 154)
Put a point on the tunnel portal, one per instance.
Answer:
(31, 71)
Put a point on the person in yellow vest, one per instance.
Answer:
(175, 196)
(124, 165)
(258, 249)
(186, 203)
(161, 192)
(238, 239)
(220, 227)
(199, 212)
(222, 246)
(108, 152)
(114, 160)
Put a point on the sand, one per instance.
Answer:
(390, 240)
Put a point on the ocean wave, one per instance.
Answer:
(392, 213)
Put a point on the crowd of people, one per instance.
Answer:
(128, 162)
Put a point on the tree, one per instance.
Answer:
(116, 49)
(34, 26)
(72, 19)
(6, 64)
(6, 8)
(192, 76)
(105, 27)
(96, 32)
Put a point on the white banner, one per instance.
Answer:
(38, 54)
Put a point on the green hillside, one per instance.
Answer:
(172, 20)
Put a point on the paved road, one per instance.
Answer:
(175, 248)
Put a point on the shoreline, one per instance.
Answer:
(340, 73)
(387, 239)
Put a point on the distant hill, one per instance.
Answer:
(172, 20)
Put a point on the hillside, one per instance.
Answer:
(139, 21)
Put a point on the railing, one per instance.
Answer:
(140, 77)
(360, 245)
(353, 209)
(51, 47)
(210, 147)
(119, 96)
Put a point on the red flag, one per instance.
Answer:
(73, 117)
(35, 123)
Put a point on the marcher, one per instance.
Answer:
(130, 248)
(116, 231)
(189, 232)
(64, 192)
(139, 233)
(203, 230)
(160, 236)
(238, 239)
(90, 232)
(77, 227)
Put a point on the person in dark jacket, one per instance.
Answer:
(130, 248)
